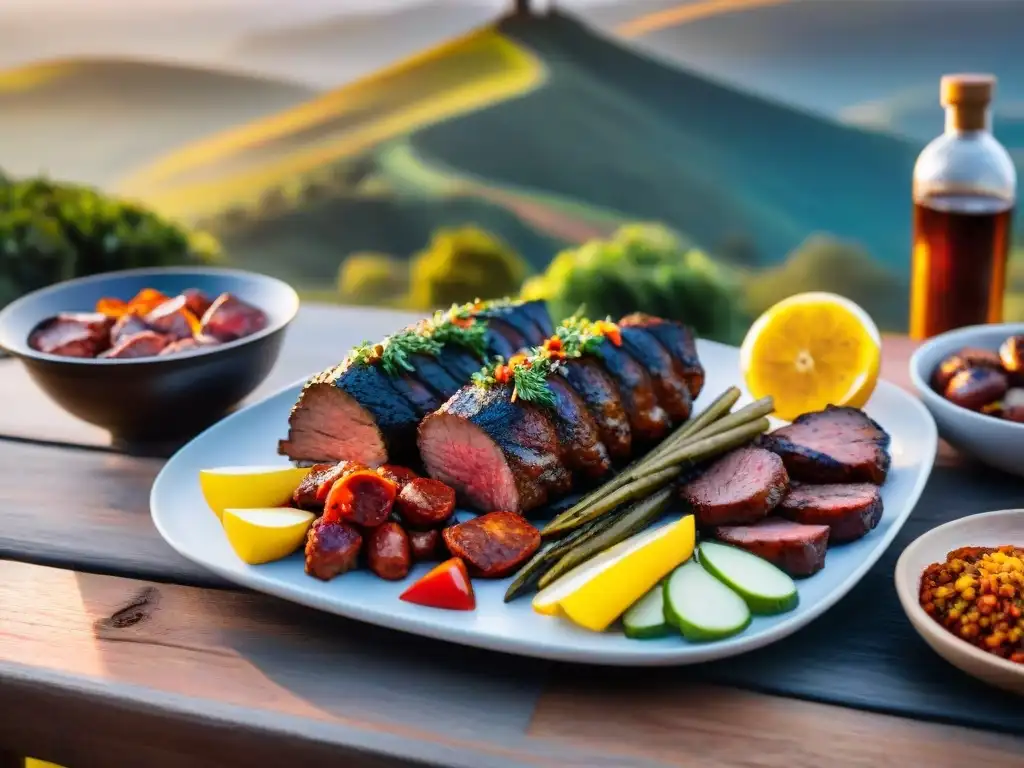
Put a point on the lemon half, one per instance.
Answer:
(812, 350)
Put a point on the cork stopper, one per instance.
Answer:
(966, 98)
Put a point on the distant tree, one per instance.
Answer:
(373, 278)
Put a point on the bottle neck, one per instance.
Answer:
(967, 118)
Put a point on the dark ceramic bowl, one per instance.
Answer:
(155, 398)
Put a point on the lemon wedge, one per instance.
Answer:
(812, 350)
(597, 592)
(264, 535)
(249, 487)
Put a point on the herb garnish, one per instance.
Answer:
(527, 373)
(393, 353)
(580, 336)
(455, 327)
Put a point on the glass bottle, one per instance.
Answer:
(965, 189)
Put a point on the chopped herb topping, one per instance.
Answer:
(528, 375)
(580, 336)
(366, 353)
(393, 353)
(453, 328)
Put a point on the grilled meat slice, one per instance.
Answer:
(648, 421)
(741, 487)
(313, 489)
(144, 344)
(73, 334)
(496, 454)
(680, 342)
(850, 510)
(669, 386)
(797, 549)
(836, 445)
(583, 452)
(351, 413)
(600, 394)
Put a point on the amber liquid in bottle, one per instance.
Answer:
(961, 244)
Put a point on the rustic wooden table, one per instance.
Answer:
(116, 651)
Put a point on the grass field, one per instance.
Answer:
(237, 166)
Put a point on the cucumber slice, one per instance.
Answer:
(646, 617)
(701, 606)
(765, 588)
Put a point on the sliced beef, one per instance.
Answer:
(172, 318)
(741, 487)
(583, 452)
(144, 344)
(648, 421)
(351, 413)
(72, 334)
(496, 454)
(850, 510)
(229, 318)
(601, 395)
(669, 386)
(127, 325)
(836, 445)
(797, 549)
(537, 311)
(680, 342)
(188, 345)
(196, 301)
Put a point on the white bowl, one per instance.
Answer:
(996, 442)
(991, 529)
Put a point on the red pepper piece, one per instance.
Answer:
(446, 586)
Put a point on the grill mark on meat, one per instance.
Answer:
(417, 394)
(516, 316)
(850, 510)
(495, 453)
(648, 421)
(837, 445)
(429, 372)
(503, 339)
(797, 549)
(460, 363)
(583, 452)
(537, 311)
(357, 408)
(669, 386)
(601, 395)
(741, 487)
(680, 342)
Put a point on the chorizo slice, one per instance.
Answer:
(425, 545)
(388, 552)
(426, 503)
(400, 476)
(313, 490)
(332, 548)
(494, 544)
(362, 497)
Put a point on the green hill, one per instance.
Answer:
(125, 112)
(623, 131)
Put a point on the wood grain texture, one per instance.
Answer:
(319, 337)
(138, 673)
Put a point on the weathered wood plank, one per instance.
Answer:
(145, 674)
(319, 337)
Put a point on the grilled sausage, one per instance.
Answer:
(362, 497)
(315, 486)
(426, 503)
(969, 357)
(400, 476)
(331, 549)
(388, 552)
(974, 388)
(425, 545)
(493, 545)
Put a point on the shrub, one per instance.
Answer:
(51, 232)
(644, 267)
(462, 264)
(372, 278)
(824, 263)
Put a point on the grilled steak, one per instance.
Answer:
(837, 445)
(679, 340)
(741, 487)
(797, 549)
(583, 453)
(669, 386)
(648, 421)
(351, 413)
(849, 509)
(73, 334)
(600, 394)
(496, 454)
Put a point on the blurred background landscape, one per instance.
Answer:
(698, 159)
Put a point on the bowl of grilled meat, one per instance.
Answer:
(972, 381)
(151, 354)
